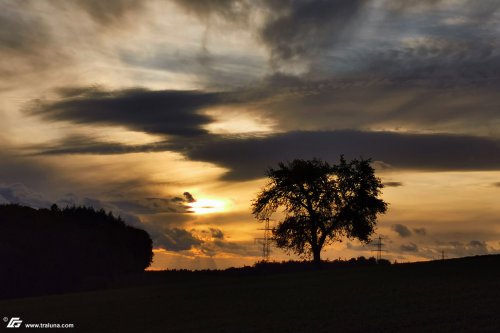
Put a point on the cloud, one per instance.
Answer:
(289, 102)
(248, 157)
(218, 246)
(318, 38)
(21, 33)
(441, 59)
(210, 234)
(302, 30)
(468, 8)
(189, 197)
(496, 184)
(216, 233)
(402, 230)
(111, 12)
(20, 194)
(26, 42)
(410, 4)
(393, 184)
(167, 112)
(211, 242)
(460, 249)
(151, 205)
(410, 247)
(31, 172)
(213, 69)
(405, 103)
(231, 10)
(174, 239)
(420, 231)
(81, 144)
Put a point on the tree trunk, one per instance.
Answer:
(317, 256)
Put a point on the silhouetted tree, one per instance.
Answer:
(321, 203)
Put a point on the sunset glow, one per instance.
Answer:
(207, 206)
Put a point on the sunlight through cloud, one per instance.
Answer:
(207, 206)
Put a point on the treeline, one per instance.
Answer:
(270, 267)
(290, 266)
(57, 250)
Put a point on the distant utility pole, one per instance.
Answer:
(266, 240)
(443, 256)
(379, 249)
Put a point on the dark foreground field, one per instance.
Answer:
(461, 295)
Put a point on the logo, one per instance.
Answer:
(14, 322)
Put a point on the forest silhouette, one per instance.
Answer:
(57, 250)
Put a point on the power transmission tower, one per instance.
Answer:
(443, 255)
(266, 240)
(379, 249)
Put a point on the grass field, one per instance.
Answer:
(461, 295)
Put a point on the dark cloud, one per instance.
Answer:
(393, 184)
(248, 157)
(460, 249)
(78, 144)
(216, 246)
(410, 247)
(155, 205)
(167, 112)
(302, 30)
(290, 102)
(309, 106)
(26, 42)
(210, 234)
(213, 242)
(468, 8)
(20, 32)
(189, 197)
(216, 233)
(496, 184)
(420, 231)
(440, 59)
(150, 205)
(210, 242)
(323, 36)
(212, 69)
(232, 10)
(173, 239)
(293, 31)
(402, 230)
(31, 172)
(109, 12)
(412, 4)
(433, 104)
(482, 10)
(20, 194)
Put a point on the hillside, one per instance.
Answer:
(460, 295)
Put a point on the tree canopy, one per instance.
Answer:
(321, 203)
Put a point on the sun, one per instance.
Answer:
(207, 206)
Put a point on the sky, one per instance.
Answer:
(168, 113)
